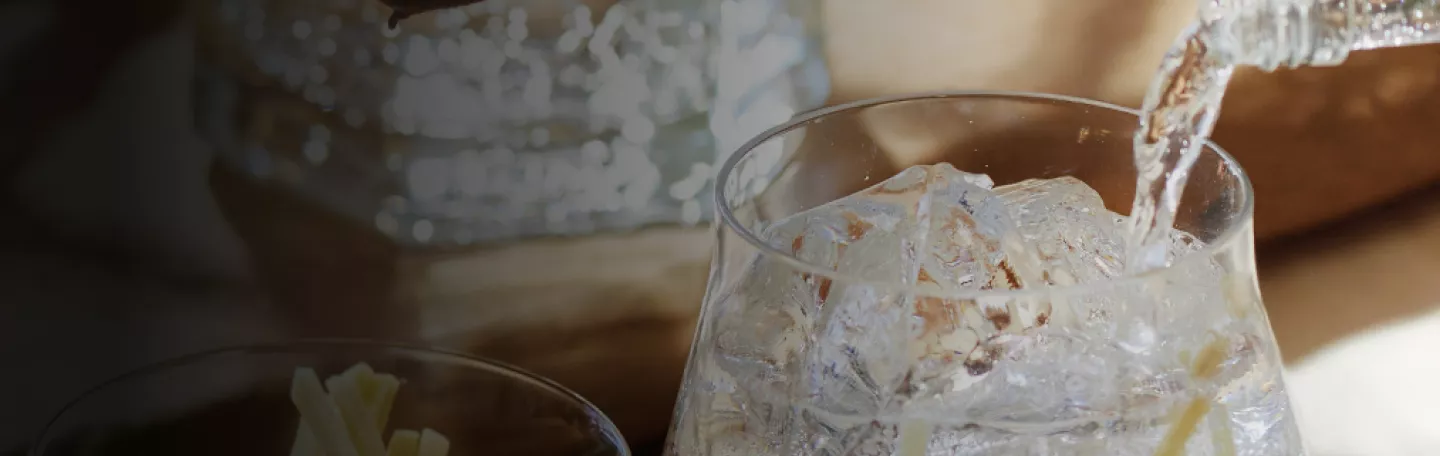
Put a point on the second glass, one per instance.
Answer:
(939, 312)
(239, 401)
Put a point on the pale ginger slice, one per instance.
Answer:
(433, 443)
(383, 388)
(359, 419)
(320, 414)
(372, 391)
(404, 442)
(354, 412)
(1187, 420)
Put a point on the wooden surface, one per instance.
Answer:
(1373, 268)
(609, 316)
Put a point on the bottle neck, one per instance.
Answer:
(1392, 23)
(1273, 33)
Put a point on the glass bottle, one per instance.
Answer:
(504, 119)
(1291, 33)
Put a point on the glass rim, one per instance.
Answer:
(451, 357)
(727, 219)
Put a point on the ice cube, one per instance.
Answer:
(930, 226)
(970, 237)
(853, 339)
(807, 361)
(862, 235)
(1065, 223)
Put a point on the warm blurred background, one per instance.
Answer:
(1343, 161)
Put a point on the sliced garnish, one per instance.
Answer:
(348, 415)
(320, 414)
(404, 442)
(433, 443)
(359, 420)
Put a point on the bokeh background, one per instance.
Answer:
(123, 229)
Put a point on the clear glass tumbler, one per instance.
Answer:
(849, 356)
(237, 402)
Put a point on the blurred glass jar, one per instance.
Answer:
(506, 118)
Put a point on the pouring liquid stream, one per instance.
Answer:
(1183, 101)
(1179, 113)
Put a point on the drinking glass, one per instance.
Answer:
(237, 402)
(795, 356)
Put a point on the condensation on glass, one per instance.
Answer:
(506, 118)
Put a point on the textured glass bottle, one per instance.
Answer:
(1274, 33)
(506, 118)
